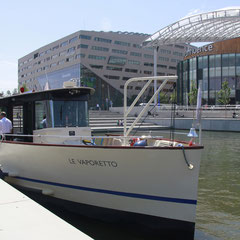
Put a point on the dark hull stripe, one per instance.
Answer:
(124, 194)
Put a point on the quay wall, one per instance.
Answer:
(210, 124)
(212, 120)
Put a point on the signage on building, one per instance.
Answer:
(206, 48)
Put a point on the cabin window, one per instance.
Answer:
(70, 113)
(50, 114)
(43, 115)
(17, 120)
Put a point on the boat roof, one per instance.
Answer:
(72, 93)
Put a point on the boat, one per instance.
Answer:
(143, 180)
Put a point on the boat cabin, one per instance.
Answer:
(52, 112)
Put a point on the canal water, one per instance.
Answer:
(218, 209)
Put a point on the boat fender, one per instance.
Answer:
(47, 192)
(190, 166)
(141, 143)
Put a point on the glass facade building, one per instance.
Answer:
(211, 69)
(101, 60)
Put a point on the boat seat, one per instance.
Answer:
(117, 142)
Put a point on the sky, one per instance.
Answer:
(27, 25)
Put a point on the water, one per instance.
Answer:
(218, 209)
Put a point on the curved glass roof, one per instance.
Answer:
(212, 26)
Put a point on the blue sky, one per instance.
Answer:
(27, 25)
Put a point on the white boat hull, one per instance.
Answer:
(150, 181)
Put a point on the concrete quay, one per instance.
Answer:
(24, 219)
(212, 120)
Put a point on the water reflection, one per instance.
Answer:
(218, 210)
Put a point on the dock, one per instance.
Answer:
(22, 218)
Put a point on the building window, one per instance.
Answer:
(162, 66)
(81, 55)
(102, 40)
(117, 60)
(138, 88)
(177, 54)
(112, 77)
(61, 62)
(136, 54)
(131, 70)
(55, 56)
(114, 68)
(63, 44)
(72, 40)
(165, 51)
(96, 66)
(85, 37)
(136, 45)
(82, 46)
(133, 62)
(55, 47)
(96, 57)
(164, 59)
(62, 53)
(41, 54)
(121, 86)
(120, 51)
(148, 64)
(71, 50)
(53, 64)
(147, 72)
(171, 67)
(48, 51)
(126, 44)
(36, 55)
(103, 49)
(148, 56)
(125, 78)
(179, 46)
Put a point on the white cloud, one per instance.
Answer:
(8, 76)
(106, 25)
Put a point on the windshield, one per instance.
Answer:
(50, 114)
(70, 114)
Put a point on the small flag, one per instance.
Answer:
(46, 87)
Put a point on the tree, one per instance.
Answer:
(164, 98)
(8, 93)
(15, 91)
(173, 97)
(224, 95)
(193, 95)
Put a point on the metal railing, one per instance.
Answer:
(149, 80)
